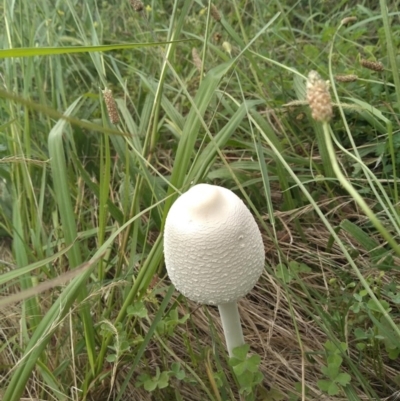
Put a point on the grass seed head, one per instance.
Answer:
(372, 65)
(196, 59)
(215, 13)
(318, 97)
(227, 47)
(111, 106)
(137, 5)
(348, 20)
(217, 36)
(346, 78)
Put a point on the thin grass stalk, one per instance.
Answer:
(278, 64)
(384, 202)
(192, 372)
(331, 231)
(105, 167)
(266, 186)
(194, 119)
(354, 193)
(204, 161)
(173, 32)
(59, 310)
(145, 342)
(94, 188)
(323, 151)
(396, 78)
(97, 58)
(191, 128)
(371, 178)
(375, 221)
(40, 233)
(23, 209)
(289, 201)
(40, 339)
(142, 281)
(394, 165)
(253, 66)
(324, 323)
(50, 380)
(287, 24)
(130, 157)
(127, 208)
(390, 48)
(245, 48)
(152, 133)
(67, 216)
(52, 51)
(207, 40)
(32, 313)
(52, 113)
(15, 273)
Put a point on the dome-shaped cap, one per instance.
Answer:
(213, 248)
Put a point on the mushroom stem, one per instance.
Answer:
(231, 324)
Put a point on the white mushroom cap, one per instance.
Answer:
(213, 248)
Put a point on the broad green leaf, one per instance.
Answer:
(239, 353)
(299, 267)
(334, 360)
(163, 380)
(150, 385)
(328, 387)
(283, 273)
(138, 309)
(372, 305)
(343, 379)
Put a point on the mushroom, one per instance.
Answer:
(214, 252)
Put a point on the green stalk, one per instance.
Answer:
(370, 176)
(390, 49)
(393, 158)
(173, 32)
(104, 192)
(244, 47)
(353, 192)
(395, 72)
(330, 229)
(144, 276)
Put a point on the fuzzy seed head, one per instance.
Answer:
(346, 78)
(227, 47)
(111, 106)
(348, 20)
(137, 5)
(318, 97)
(372, 65)
(217, 36)
(215, 13)
(196, 59)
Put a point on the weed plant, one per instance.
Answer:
(109, 110)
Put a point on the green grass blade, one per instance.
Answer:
(15, 273)
(206, 158)
(67, 215)
(192, 126)
(52, 51)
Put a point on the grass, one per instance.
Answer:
(87, 310)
